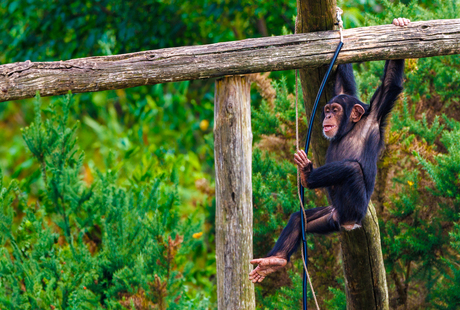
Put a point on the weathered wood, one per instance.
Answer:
(314, 16)
(363, 267)
(419, 39)
(233, 164)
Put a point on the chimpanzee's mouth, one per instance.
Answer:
(327, 128)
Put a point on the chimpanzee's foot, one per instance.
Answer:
(350, 226)
(266, 266)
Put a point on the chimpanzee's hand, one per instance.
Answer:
(401, 22)
(304, 165)
(301, 159)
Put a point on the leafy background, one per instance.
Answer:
(107, 199)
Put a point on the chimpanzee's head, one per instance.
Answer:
(340, 114)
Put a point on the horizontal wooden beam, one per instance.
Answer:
(419, 39)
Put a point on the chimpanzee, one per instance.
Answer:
(356, 134)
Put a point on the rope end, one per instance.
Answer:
(339, 13)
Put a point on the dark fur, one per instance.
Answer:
(351, 159)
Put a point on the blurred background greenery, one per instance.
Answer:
(108, 197)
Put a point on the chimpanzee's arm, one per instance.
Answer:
(384, 98)
(334, 173)
(345, 80)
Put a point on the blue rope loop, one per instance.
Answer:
(307, 146)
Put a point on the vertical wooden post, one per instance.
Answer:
(365, 277)
(363, 267)
(312, 16)
(233, 164)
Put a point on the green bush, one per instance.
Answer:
(81, 245)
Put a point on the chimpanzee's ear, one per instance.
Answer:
(345, 81)
(356, 113)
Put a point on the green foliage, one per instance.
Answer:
(339, 299)
(445, 293)
(445, 172)
(267, 120)
(421, 128)
(418, 218)
(286, 297)
(86, 246)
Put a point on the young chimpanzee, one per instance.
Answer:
(356, 132)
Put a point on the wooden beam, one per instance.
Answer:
(233, 164)
(420, 39)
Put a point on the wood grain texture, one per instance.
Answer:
(233, 164)
(314, 16)
(365, 277)
(420, 39)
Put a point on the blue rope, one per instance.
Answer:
(307, 145)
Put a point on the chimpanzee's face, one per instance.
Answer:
(333, 113)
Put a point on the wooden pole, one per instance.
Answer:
(365, 278)
(233, 164)
(364, 271)
(420, 39)
(314, 16)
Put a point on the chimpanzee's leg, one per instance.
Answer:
(319, 220)
(322, 220)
